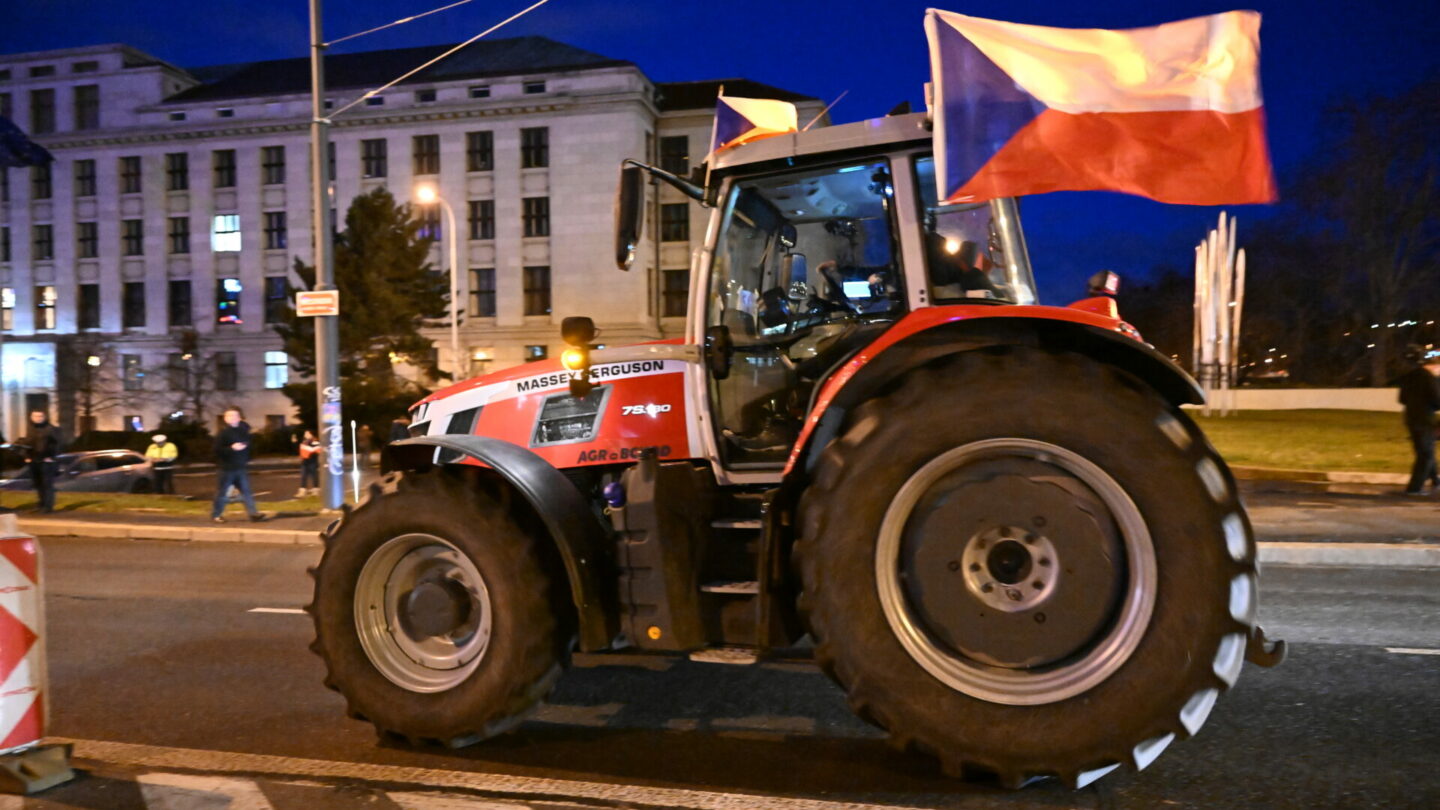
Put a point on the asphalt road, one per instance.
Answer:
(155, 653)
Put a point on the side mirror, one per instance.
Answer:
(629, 200)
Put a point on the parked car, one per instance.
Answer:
(92, 471)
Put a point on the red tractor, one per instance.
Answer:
(989, 520)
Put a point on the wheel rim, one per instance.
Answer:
(1002, 556)
(422, 612)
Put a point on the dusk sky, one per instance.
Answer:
(1312, 52)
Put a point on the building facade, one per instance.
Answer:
(141, 271)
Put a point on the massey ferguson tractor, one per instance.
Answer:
(989, 521)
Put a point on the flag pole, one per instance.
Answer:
(806, 128)
(714, 127)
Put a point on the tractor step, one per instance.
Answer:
(736, 524)
(737, 656)
(751, 587)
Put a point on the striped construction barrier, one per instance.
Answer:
(26, 766)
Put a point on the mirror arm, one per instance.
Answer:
(685, 187)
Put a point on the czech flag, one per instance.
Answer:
(1172, 112)
(742, 120)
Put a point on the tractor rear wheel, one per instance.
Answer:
(1027, 564)
(433, 609)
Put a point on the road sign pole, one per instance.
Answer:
(327, 328)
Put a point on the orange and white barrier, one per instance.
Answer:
(23, 679)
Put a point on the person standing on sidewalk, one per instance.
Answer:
(232, 458)
(1420, 394)
(364, 443)
(310, 450)
(162, 454)
(42, 445)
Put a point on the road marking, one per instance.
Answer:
(178, 791)
(275, 610)
(1411, 651)
(494, 785)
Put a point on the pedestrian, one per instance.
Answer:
(232, 456)
(42, 445)
(1420, 394)
(400, 428)
(364, 443)
(310, 451)
(162, 454)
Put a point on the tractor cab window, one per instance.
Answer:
(964, 253)
(805, 266)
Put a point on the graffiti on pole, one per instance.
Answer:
(332, 432)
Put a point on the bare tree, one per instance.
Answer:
(89, 381)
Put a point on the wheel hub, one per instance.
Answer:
(436, 609)
(1010, 569)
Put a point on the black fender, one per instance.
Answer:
(1141, 360)
(565, 512)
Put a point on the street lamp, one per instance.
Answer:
(429, 195)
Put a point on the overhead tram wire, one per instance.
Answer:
(382, 88)
(401, 21)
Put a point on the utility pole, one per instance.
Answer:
(327, 327)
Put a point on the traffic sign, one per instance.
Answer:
(311, 303)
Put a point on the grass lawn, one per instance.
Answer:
(1362, 441)
(113, 503)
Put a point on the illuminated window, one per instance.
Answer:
(533, 353)
(134, 373)
(277, 369)
(225, 233)
(45, 307)
(227, 300)
(7, 308)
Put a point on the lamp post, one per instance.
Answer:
(430, 195)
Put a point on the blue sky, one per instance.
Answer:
(1312, 52)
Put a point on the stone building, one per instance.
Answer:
(141, 270)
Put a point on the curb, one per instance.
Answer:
(1319, 476)
(198, 534)
(1386, 555)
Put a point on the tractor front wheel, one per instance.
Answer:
(1027, 564)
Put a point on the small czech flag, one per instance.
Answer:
(742, 120)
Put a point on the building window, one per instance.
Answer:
(479, 151)
(482, 292)
(275, 230)
(225, 112)
(223, 162)
(132, 314)
(179, 233)
(132, 237)
(227, 300)
(87, 240)
(536, 213)
(534, 352)
(42, 112)
(45, 307)
(227, 373)
(177, 171)
(482, 219)
(329, 160)
(424, 96)
(225, 233)
(177, 116)
(427, 154)
(675, 154)
(40, 188)
(537, 291)
(675, 222)
(372, 158)
(84, 178)
(85, 67)
(532, 88)
(534, 147)
(44, 243)
(41, 71)
(277, 369)
(88, 316)
(7, 308)
(4, 240)
(375, 101)
(5, 99)
(429, 219)
(479, 91)
(272, 165)
(133, 373)
(130, 175)
(180, 304)
(675, 293)
(87, 107)
(277, 298)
